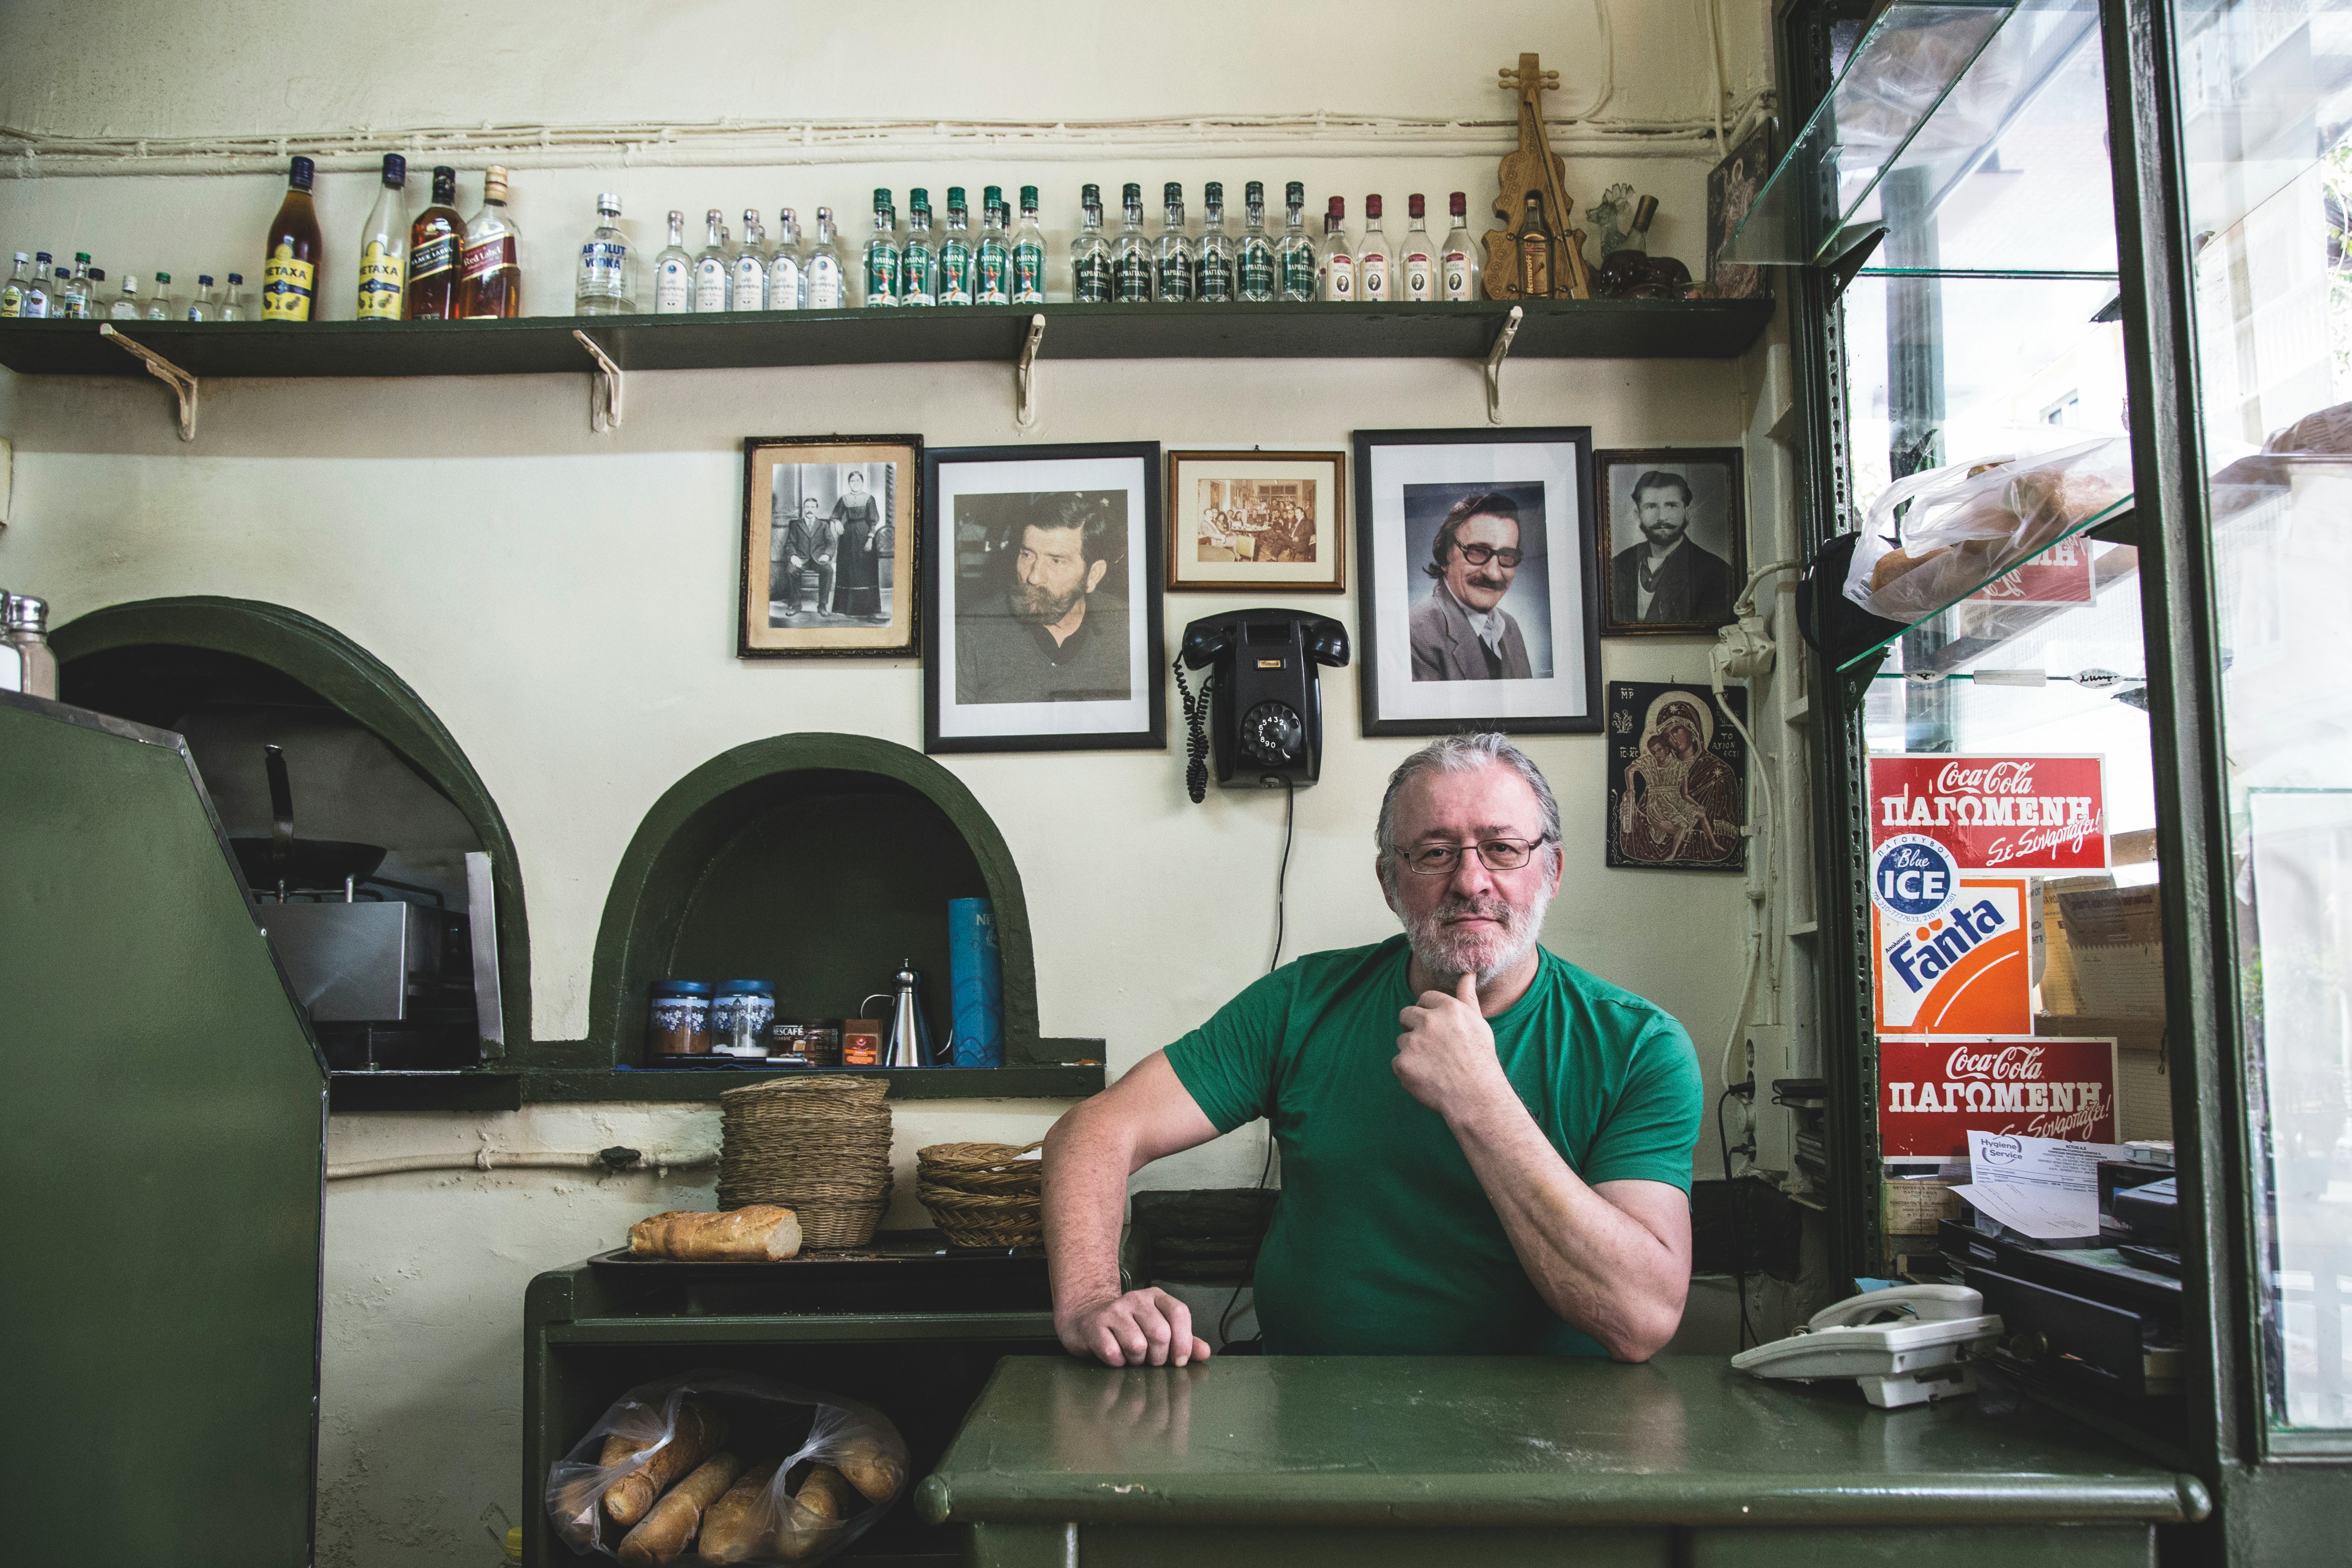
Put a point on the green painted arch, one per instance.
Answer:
(363, 687)
(675, 843)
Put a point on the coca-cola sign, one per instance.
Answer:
(2025, 815)
(1933, 1093)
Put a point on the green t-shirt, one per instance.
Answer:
(1383, 1242)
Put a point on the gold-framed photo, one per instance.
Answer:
(1257, 522)
(832, 547)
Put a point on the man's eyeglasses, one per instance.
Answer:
(1498, 855)
(1480, 555)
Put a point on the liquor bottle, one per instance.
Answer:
(1090, 252)
(785, 266)
(1029, 253)
(1256, 273)
(75, 296)
(39, 302)
(291, 257)
(202, 305)
(1216, 266)
(1373, 257)
(1295, 262)
(489, 278)
(714, 271)
(882, 254)
(1535, 252)
(1130, 258)
(126, 306)
(750, 288)
(918, 263)
(435, 242)
(1336, 268)
(1459, 269)
(955, 252)
(384, 259)
(159, 305)
(61, 286)
(1416, 280)
(673, 272)
(991, 260)
(236, 303)
(826, 273)
(605, 285)
(1175, 266)
(19, 284)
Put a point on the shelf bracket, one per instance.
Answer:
(1495, 356)
(1024, 377)
(605, 392)
(164, 370)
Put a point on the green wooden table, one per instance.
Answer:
(1314, 1460)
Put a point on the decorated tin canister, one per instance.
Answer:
(679, 1019)
(740, 1014)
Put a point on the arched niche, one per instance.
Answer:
(102, 648)
(819, 861)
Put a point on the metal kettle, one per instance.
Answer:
(910, 1033)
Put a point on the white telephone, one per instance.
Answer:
(1904, 1346)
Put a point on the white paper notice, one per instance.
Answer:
(2041, 1188)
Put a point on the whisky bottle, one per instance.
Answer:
(1336, 267)
(159, 306)
(1373, 257)
(1217, 266)
(1535, 252)
(202, 305)
(1459, 269)
(1130, 260)
(673, 272)
(714, 269)
(1090, 252)
(1029, 253)
(1255, 268)
(918, 263)
(955, 252)
(237, 302)
(751, 285)
(435, 242)
(992, 260)
(825, 284)
(1295, 260)
(383, 255)
(882, 254)
(489, 278)
(607, 284)
(1416, 258)
(126, 305)
(19, 284)
(1174, 265)
(785, 264)
(291, 257)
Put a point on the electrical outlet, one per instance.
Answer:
(1775, 1125)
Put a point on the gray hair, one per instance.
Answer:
(1462, 754)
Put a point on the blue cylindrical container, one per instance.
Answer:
(740, 1014)
(679, 1019)
(976, 973)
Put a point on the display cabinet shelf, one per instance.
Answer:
(1552, 329)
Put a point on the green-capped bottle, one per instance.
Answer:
(955, 252)
(1130, 258)
(1029, 253)
(1217, 266)
(882, 254)
(991, 266)
(1175, 266)
(1090, 252)
(1256, 262)
(1296, 261)
(918, 267)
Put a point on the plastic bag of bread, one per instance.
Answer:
(719, 1467)
(1938, 536)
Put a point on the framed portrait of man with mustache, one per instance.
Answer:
(1676, 551)
(1476, 600)
(1042, 583)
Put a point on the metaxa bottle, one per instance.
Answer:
(290, 265)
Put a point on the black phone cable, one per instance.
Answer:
(1281, 883)
(1738, 1232)
(1196, 736)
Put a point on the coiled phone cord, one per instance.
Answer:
(1196, 733)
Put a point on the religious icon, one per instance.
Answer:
(1677, 777)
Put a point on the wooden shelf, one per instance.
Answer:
(1557, 329)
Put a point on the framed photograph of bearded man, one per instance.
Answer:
(831, 550)
(1042, 584)
(1677, 777)
(1674, 553)
(1476, 603)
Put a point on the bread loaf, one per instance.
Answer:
(866, 1465)
(823, 1501)
(665, 1533)
(756, 1234)
(699, 1431)
(729, 1532)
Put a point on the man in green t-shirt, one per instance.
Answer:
(1484, 1149)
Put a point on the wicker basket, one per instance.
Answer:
(983, 1194)
(819, 1146)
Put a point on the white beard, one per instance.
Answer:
(1448, 953)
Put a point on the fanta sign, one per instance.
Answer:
(1931, 1093)
(1958, 964)
(1994, 813)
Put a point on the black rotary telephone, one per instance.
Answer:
(1268, 704)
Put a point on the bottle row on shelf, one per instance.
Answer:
(37, 288)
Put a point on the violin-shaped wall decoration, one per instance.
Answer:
(1535, 254)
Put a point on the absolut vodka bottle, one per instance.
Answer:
(1130, 258)
(602, 284)
(919, 264)
(1216, 266)
(1029, 253)
(1256, 263)
(786, 266)
(673, 272)
(1175, 264)
(714, 269)
(1090, 252)
(882, 254)
(955, 252)
(1295, 260)
(751, 282)
(826, 277)
(991, 263)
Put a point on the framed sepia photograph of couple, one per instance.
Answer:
(1675, 547)
(832, 549)
(1262, 521)
(1477, 602)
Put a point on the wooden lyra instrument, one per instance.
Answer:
(1533, 169)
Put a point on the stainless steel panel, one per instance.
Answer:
(352, 961)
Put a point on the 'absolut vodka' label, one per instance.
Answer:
(601, 263)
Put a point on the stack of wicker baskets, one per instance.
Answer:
(983, 1194)
(819, 1146)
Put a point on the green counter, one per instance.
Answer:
(1311, 1460)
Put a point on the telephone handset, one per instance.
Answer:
(1904, 1346)
(1266, 705)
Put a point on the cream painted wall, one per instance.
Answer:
(565, 600)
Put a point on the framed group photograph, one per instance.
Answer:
(1258, 521)
(830, 546)
(1042, 584)
(1674, 554)
(1677, 777)
(1475, 594)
